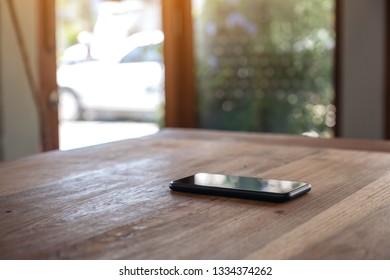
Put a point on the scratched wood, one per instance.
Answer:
(112, 201)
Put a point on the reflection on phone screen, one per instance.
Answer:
(245, 183)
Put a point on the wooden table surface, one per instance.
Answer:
(112, 201)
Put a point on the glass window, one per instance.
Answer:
(265, 65)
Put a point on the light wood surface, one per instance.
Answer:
(112, 201)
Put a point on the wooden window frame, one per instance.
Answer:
(180, 91)
(387, 72)
(180, 95)
(47, 84)
(337, 66)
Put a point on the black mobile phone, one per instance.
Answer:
(242, 187)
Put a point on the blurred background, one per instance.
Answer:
(261, 65)
(123, 69)
(110, 70)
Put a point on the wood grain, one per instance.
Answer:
(112, 201)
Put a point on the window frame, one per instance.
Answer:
(180, 94)
(47, 84)
(180, 84)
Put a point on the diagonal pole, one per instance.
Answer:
(27, 68)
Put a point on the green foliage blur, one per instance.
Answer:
(266, 65)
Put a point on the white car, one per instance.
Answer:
(128, 85)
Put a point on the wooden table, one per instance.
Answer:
(112, 201)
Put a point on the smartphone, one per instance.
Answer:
(242, 187)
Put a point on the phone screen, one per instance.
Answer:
(246, 183)
(247, 187)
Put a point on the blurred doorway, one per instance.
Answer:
(110, 70)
